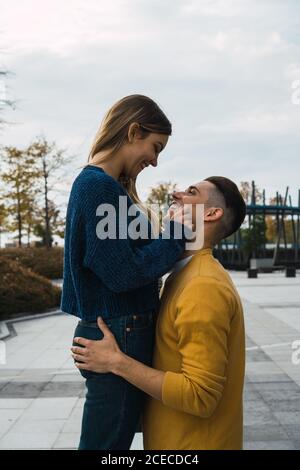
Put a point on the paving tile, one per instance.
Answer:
(287, 386)
(265, 377)
(257, 418)
(42, 406)
(68, 377)
(79, 404)
(258, 413)
(257, 405)
(269, 445)
(67, 441)
(11, 413)
(22, 389)
(288, 417)
(48, 426)
(266, 433)
(257, 355)
(5, 425)
(284, 405)
(50, 408)
(262, 368)
(72, 425)
(76, 414)
(3, 384)
(250, 395)
(62, 389)
(278, 395)
(22, 441)
(293, 431)
(249, 342)
(7, 373)
(137, 443)
(14, 403)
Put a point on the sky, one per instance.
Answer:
(222, 70)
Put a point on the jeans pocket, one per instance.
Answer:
(140, 337)
(141, 322)
(92, 331)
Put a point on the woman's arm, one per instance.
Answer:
(119, 264)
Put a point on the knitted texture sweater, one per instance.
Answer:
(110, 277)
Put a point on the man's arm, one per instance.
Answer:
(204, 312)
(203, 324)
(146, 378)
(105, 356)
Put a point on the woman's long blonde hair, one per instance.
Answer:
(113, 133)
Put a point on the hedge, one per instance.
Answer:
(43, 261)
(24, 291)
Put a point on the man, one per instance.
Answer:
(195, 385)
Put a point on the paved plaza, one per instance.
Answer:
(42, 394)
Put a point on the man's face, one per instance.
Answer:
(197, 193)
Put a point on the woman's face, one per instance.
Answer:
(143, 152)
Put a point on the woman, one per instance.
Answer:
(116, 277)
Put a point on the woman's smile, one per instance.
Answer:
(143, 165)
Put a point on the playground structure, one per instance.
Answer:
(232, 252)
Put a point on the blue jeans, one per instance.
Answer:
(113, 407)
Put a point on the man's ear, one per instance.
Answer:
(133, 132)
(213, 214)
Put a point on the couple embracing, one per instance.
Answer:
(173, 359)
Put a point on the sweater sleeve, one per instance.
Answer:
(117, 262)
(203, 325)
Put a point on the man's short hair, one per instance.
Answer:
(234, 204)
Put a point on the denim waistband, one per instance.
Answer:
(88, 323)
(108, 320)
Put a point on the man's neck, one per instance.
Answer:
(188, 253)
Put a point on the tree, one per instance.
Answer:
(20, 176)
(246, 192)
(270, 228)
(31, 217)
(245, 189)
(254, 236)
(4, 101)
(272, 231)
(57, 224)
(160, 195)
(3, 219)
(49, 159)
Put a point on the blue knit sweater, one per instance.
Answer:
(110, 277)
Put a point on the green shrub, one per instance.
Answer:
(22, 290)
(43, 261)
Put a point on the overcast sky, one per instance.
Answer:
(222, 71)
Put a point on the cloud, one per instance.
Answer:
(60, 27)
(255, 123)
(221, 69)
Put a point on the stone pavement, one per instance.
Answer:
(42, 396)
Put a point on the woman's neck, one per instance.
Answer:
(112, 167)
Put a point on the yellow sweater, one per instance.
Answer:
(200, 343)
